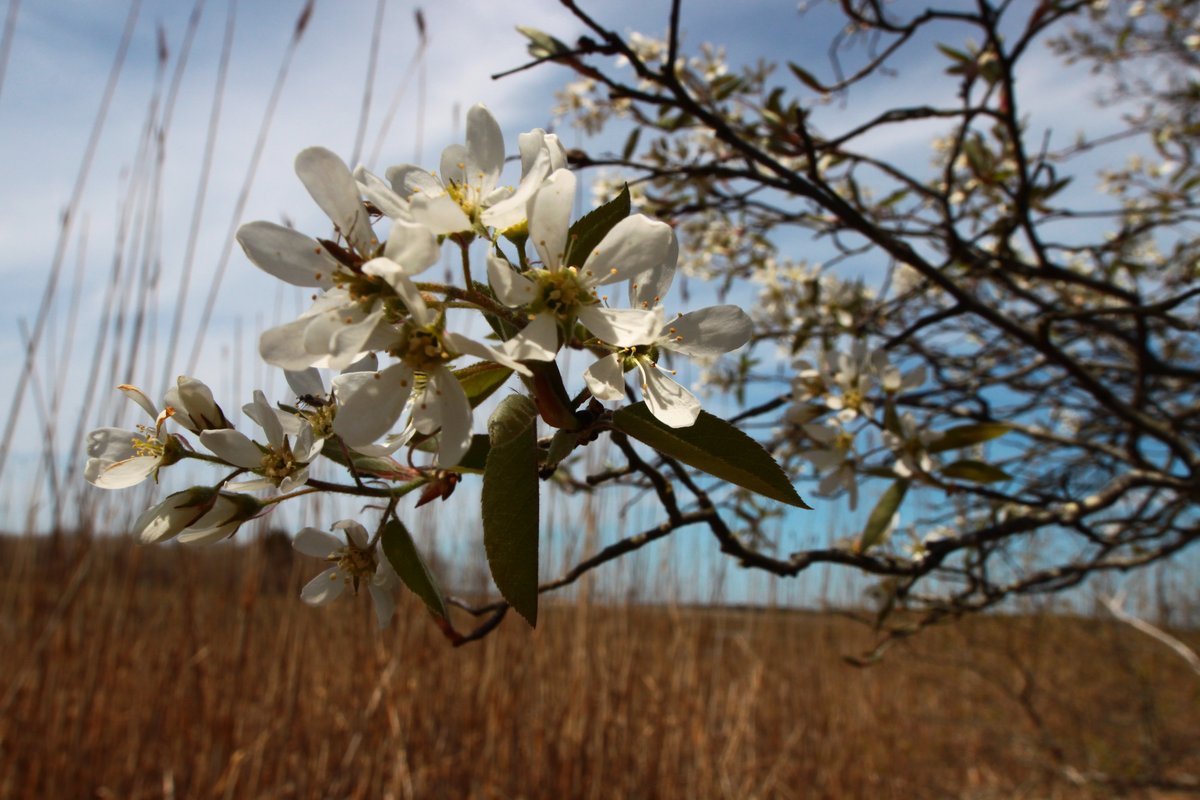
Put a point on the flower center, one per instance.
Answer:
(641, 352)
(149, 444)
(422, 349)
(320, 419)
(560, 293)
(467, 198)
(278, 462)
(354, 565)
(362, 288)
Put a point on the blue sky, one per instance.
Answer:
(58, 67)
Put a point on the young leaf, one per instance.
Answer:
(404, 557)
(631, 144)
(975, 471)
(476, 457)
(510, 504)
(542, 44)
(879, 522)
(806, 78)
(967, 435)
(480, 380)
(588, 230)
(368, 466)
(714, 446)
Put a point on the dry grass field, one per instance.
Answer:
(131, 672)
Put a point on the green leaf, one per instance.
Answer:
(893, 198)
(542, 44)
(561, 445)
(368, 466)
(503, 329)
(950, 52)
(969, 469)
(713, 446)
(631, 144)
(725, 86)
(588, 230)
(806, 78)
(510, 504)
(967, 435)
(404, 557)
(878, 523)
(476, 456)
(480, 380)
(979, 157)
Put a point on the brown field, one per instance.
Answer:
(147, 673)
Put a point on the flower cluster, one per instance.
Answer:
(851, 390)
(403, 365)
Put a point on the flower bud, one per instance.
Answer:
(225, 516)
(195, 408)
(170, 517)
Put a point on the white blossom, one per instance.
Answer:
(119, 458)
(910, 445)
(704, 333)
(282, 462)
(370, 403)
(834, 456)
(467, 185)
(353, 563)
(636, 247)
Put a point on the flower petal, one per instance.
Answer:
(824, 459)
(465, 346)
(409, 179)
(385, 603)
(305, 383)
(334, 189)
(356, 534)
(123, 474)
(350, 342)
(623, 327)
(511, 287)
(324, 589)
(316, 543)
(635, 246)
(537, 144)
(111, 444)
(381, 195)
(540, 156)
(412, 246)
(673, 405)
(453, 165)
(606, 378)
(404, 288)
(283, 346)
(370, 403)
(138, 396)
(647, 289)
(537, 341)
(266, 416)
(444, 405)
(440, 214)
(485, 148)
(195, 407)
(233, 447)
(549, 215)
(708, 332)
(287, 254)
